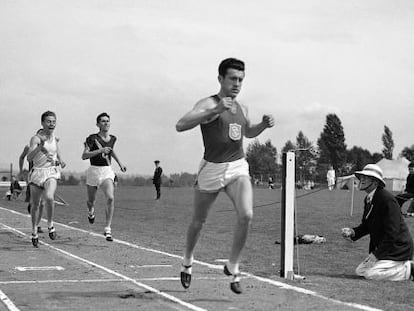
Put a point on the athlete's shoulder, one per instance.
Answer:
(206, 103)
(92, 136)
(35, 137)
(91, 139)
(112, 139)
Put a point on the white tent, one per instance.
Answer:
(395, 173)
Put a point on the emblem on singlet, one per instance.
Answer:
(235, 131)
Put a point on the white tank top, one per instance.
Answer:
(40, 158)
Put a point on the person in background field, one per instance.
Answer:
(330, 177)
(27, 198)
(99, 149)
(156, 180)
(391, 244)
(45, 157)
(21, 164)
(271, 184)
(15, 188)
(409, 190)
(224, 123)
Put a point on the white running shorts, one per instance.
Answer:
(96, 175)
(213, 177)
(39, 175)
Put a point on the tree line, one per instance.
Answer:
(312, 161)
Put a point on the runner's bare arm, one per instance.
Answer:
(21, 158)
(121, 166)
(59, 155)
(87, 153)
(204, 111)
(253, 130)
(36, 145)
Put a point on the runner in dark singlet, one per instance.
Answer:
(224, 123)
(99, 149)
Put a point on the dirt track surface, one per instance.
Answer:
(89, 273)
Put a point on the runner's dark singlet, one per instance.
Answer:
(101, 159)
(223, 137)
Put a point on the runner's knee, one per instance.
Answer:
(245, 217)
(198, 223)
(48, 198)
(110, 199)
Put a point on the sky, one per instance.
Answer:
(146, 63)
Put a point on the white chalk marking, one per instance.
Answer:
(110, 271)
(150, 266)
(60, 281)
(218, 267)
(221, 260)
(45, 268)
(104, 280)
(7, 302)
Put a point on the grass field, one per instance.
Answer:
(328, 268)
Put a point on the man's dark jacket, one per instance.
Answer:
(409, 185)
(390, 238)
(156, 180)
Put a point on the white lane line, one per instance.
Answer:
(61, 281)
(311, 293)
(150, 266)
(7, 302)
(110, 271)
(220, 267)
(104, 280)
(44, 268)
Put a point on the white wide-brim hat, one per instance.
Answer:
(371, 170)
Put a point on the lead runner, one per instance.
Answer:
(224, 122)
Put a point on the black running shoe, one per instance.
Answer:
(35, 240)
(91, 217)
(185, 277)
(235, 283)
(52, 233)
(108, 236)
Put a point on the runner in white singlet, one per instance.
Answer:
(45, 157)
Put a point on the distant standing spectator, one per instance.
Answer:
(156, 180)
(15, 188)
(271, 184)
(330, 177)
(409, 191)
(391, 244)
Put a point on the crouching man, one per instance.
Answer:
(391, 245)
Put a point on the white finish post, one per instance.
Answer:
(287, 217)
(352, 195)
